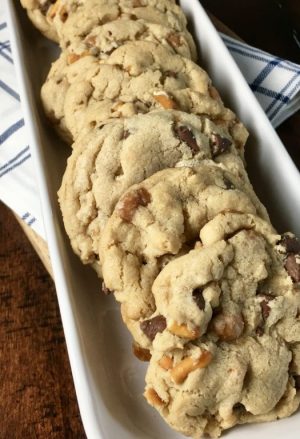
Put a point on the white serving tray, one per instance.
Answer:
(108, 379)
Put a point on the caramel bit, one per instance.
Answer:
(185, 135)
(152, 326)
(174, 39)
(63, 14)
(131, 201)
(53, 9)
(105, 290)
(141, 353)
(136, 3)
(184, 332)
(213, 92)
(166, 362)
(165, 101)
(153, 398)
(218, 144)
(180, 372)
(73, 57)
(228, 327)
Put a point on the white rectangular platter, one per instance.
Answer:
(108, 379)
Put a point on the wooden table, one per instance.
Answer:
(37, 397)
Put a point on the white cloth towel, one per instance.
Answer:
(274, 81)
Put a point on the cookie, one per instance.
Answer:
(104, 39)
(140, 77)
(54, 90)
(37, 12)
(232, 296)
(155, 221)
(125, 152)
(207, 387)
(73, 18)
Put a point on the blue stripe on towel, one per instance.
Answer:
(15, 165)
(16, 157)
(9, 90)
(11, 130)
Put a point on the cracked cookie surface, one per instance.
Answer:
(140, 77)
(234, 300)
(73, 18)
(158, 220)
(104, 39)
(106, 163)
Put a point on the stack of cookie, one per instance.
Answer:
(156, 197)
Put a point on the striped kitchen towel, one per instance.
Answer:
(275, 82)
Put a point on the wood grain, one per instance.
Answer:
(37, 397)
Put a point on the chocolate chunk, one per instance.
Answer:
(228, 183)
(185, 135)
(219, 144)
(291, 244)
(131, 201)
(105, 290)
(293, 267)
(265, 309)
(198, 298)
(297, 381)
(152, 326)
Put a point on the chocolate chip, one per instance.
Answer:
(152, 326)
(228, 183)
(185, 135)
(219, 144)
(131, 201)
(297, 381)
(292, 267)
(198, 298)
(290, 243)
(105, 290)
